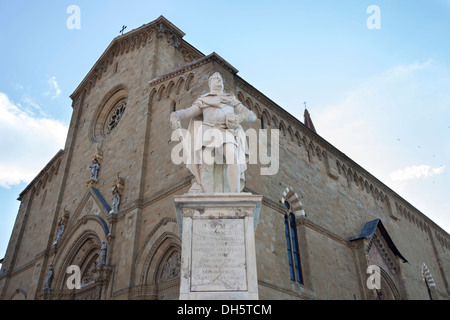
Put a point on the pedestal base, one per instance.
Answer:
(218, 258)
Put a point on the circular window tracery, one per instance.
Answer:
(115, 117)
(109, 113)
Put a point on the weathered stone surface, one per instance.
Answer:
(218, 255)
(218, 245)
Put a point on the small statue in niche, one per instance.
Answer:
(95, 167)
(117, 191)
(102, 255)
(115, 201)
(48, 280)
(62, 223)
(60, 231)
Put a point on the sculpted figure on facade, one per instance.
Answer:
(115, 201)
(95, 167)
(60, 230)
(217, 139)
(48, 279)
(102, 255)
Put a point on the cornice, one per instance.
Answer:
(42, 173)
(213, 57)
(131, 41)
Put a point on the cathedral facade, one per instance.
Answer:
(98, 222)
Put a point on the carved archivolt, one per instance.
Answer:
(170, 267)
(83, 252)
(19, 294)
(156, 250)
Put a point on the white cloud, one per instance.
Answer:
(53, 89)
(28, 142)
(405, 104)
(398, 119)
(400, 177)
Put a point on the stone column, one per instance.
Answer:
(218, 258)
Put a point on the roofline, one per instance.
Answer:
(307, 131)
(41, 173)
(215, 57)
(108, 55)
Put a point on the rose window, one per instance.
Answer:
(116, 116)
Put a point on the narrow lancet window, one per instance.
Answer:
(293, 251)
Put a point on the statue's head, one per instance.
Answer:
(216, 83)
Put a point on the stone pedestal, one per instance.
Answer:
(218, 258)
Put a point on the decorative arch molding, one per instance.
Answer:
(115, 97)
(389, 290)
(166, 278)
(169, 266)
(159, 273)
(266, 117)
(19, 294)
(83, 211)
(180, 84)
(84, 246)
(293, 199)
(158, 254)
(165, 232)
(80, 229)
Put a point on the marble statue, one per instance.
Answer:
(94, 166)
(220, 116)
(48, 280)
(115, 201)
(60, 231)
(102, 254)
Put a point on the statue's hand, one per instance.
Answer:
(175, 121)
(232, 121)
(240, 117)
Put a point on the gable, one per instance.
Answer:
(93, 205)
(368, 231)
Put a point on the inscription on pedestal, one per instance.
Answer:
(218, 255)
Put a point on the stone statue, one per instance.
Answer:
(94, 166)
(102, 255)
(115, 201)
(48, 280)
(222, 137)
(60, 231)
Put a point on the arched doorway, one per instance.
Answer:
(388, 290)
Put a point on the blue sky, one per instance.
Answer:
(381, 96)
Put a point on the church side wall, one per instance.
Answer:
(338, 200)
